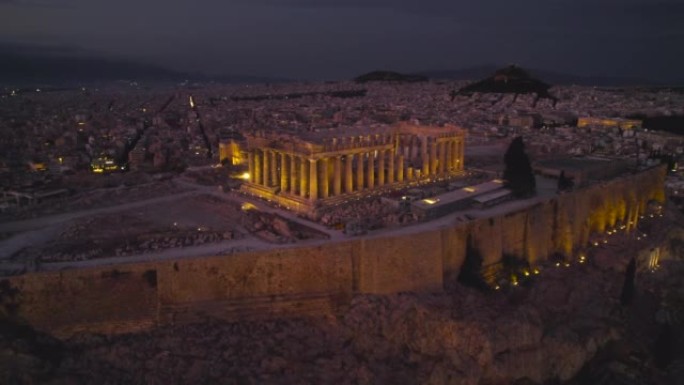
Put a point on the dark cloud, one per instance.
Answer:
(37, 3)
(339, 38)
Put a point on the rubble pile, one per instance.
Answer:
(276, 229)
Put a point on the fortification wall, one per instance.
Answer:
(564, 223)
(99, 300)
(130, 297)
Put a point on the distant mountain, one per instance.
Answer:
(551, 77)
(23, 66)
(508, 80)
(389, 76)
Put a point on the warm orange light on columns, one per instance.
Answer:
(390, 167)
(284, 173)
(294, 181)
(250, 165)
(304, 177)
(348, 176)
(337, 176)
(313, 180)
(359, 171)
(258, 167)
(266, 173)
(381, 168)
(371, 171)
(323, 178)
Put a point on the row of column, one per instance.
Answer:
(435, 155)
(321, 178)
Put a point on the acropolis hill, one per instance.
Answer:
(328, 233)
(324, 276)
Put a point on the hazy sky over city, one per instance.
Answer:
(326, 39)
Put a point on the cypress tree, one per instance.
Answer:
(628, 288)
(518, 173)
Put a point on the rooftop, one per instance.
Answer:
(460, 194)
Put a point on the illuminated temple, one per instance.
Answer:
(302, 172)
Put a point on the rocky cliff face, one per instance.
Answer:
(545, 330)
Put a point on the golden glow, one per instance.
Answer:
(499, 181)
(192, 102)
(536, 271)
(527, 273)
(248, 206)
(245, 176)
(98, 170)
(469, 189)
(431, 201)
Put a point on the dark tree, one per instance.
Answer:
(9, 299)
(664, 349)
(628, 288)
(471, 271)
(564, 183)
(518, 172)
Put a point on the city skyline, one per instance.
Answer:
(308, 40)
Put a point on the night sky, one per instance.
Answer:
(329, 39)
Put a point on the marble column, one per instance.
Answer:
(284, 172)
(390, 167)
(257, 167)
(359, 171)
(250, 165)
(426, 163)
(294, 181)
(313, 180)
(416, 147)
(381, 167)
(274, 169)
(433, 158)
(323, 178)
(442, 157)
(400, 168)
(337, 177)
(348, 174)
(449, 155)
(371, 170)
(266, 173)
(303, 177)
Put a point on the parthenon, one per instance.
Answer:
(301, 172)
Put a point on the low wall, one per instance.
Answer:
(307, 280)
